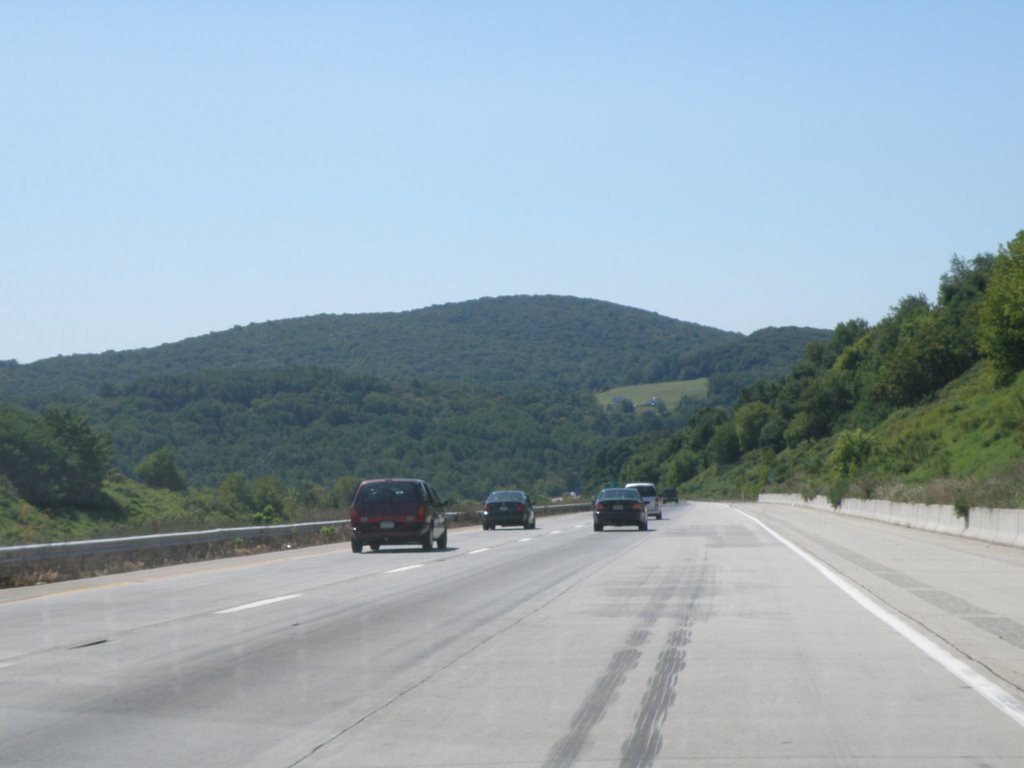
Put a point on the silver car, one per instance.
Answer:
(649, 493)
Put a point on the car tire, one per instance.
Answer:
(598, 527)
(428, 539)
(642, 526)
(357, 546)
(442, 543)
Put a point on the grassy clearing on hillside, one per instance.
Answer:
(669, 392)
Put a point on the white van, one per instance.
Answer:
(650, 496)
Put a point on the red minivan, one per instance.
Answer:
(397, 511)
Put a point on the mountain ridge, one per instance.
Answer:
(549, 339)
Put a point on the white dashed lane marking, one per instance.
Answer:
(259, 604)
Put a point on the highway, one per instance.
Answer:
(728, 635)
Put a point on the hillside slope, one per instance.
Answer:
(926, 405)
(507, 343)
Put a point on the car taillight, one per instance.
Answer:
(599, 506)
(638, 505)
(487, 508)
(354, 515)
(421, 513)
(520, 507)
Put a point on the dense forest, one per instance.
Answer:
(506, 343)
(928, 404)
(307, 426)
(290, 444)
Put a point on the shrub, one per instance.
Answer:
(838, 491)
(850, 453)
(960, 504)
(158, 470)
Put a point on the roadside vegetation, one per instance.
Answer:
(176, 461)
(927, 405)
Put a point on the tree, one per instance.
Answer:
(846, 334)
(158, 470)
(54, 460)
(87, 456)
(922, 362)
(724, 445)
(750, 420)
(1001, 334)
(683, 466)
(850, 453)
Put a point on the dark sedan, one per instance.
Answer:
(619, 506)
(508, 508)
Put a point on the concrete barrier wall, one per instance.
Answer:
(998, 526)
(1001, 526)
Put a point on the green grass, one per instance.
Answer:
(966, 444)
(669, 392)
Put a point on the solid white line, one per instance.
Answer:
(5, 664)
(1009, 705)
(259, 604)
(406, 568)
(530, 538)
(478, 551)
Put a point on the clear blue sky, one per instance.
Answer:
(170, 169)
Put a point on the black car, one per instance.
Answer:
(669, 494)
(619, 506)
(397, 511)
(508, 508)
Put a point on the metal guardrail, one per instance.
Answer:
(64, 549)
(61, 550)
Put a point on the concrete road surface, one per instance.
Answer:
(727, 635)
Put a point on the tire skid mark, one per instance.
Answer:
(643, 746)
(567, 749)
(640, 637)
(645, 743)
(641, 749)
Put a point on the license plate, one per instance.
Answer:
(387, 523)
(503, 507)
(618, 507)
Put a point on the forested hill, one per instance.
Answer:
(507, 343)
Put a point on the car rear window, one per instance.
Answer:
(645, 490)
(387, 493)
(623, 494)
(497, 496)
